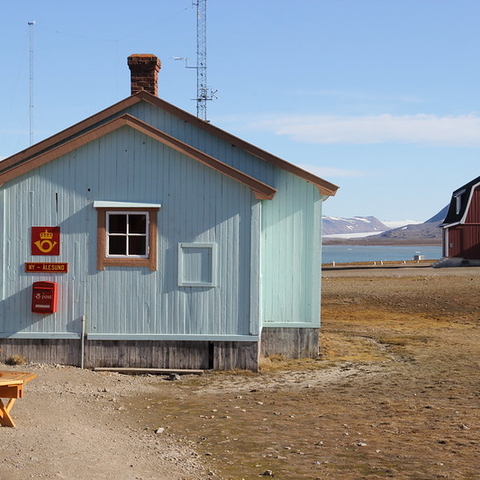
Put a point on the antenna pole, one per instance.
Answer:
(202, 91)
(31, 24)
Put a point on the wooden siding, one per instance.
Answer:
(239, 355)
(290, 342)
(181, 355)
(473, 214)
(30, 154)
(198, 205)
(65, 352)
(453, 236)
(139, 354)
(463, 241)
(291, 255)
(204, 141)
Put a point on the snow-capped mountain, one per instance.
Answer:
(370, 231)
(353, 225)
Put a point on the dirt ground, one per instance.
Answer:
(395, 394)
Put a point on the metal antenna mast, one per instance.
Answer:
(204, 93)
(202, 90)
(31, 24)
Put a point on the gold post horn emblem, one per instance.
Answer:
(45, 244)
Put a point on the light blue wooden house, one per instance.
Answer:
(146, 237)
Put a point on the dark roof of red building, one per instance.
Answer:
(458, 208)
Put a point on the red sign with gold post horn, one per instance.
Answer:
(45, 240)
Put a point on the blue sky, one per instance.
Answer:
(380, 97)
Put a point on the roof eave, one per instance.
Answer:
(261, 190)
(325, 188)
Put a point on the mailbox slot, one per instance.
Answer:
(44, 297)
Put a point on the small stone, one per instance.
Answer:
(159, 430)
(267, 473)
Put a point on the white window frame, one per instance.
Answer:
(127, 234)
(458, 201)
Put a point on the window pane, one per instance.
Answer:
(117, 245)
(117, 223)
(197, 264)
(137, 223)
(137, 245)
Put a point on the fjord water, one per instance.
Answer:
(376, 253)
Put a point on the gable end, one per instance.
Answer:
(261, 190)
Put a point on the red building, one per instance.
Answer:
(461, 227)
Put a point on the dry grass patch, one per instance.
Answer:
(394, 393)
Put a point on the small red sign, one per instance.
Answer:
(45, 240)
(46, 267)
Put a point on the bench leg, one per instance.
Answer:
(5, 419)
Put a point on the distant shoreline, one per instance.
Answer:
(387, 242)
(378, 265)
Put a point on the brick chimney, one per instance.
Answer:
(144, 70)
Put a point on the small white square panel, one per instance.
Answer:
(196, 265)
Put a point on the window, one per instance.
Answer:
(458, 201)
(196, 265)
(126, 234)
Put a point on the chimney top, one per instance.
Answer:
(144, 70)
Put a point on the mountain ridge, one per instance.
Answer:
(339, 225)
(427, 233)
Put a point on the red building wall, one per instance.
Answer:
(473, 214)
(464, 242)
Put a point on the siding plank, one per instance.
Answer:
(198, 205)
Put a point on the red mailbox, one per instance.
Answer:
(44, 297)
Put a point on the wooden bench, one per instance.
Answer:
(11, 387)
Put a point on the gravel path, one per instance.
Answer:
(68, 426)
